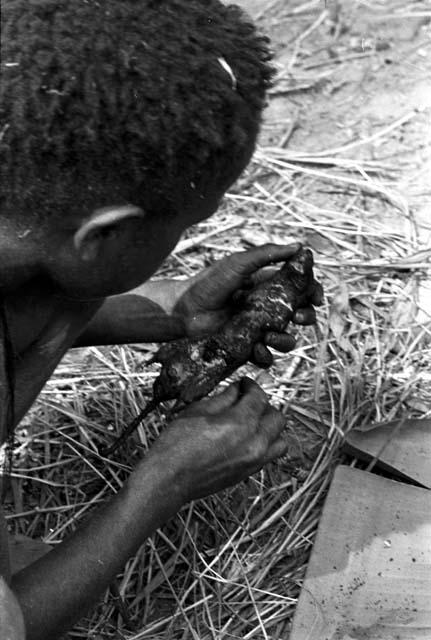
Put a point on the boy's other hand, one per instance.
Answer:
(221, 440)
(211, 297)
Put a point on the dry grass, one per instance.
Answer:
(231, 566)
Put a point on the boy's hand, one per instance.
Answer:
(219, 441)
(209, 299)
(163, 310)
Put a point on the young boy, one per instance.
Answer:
(123, 122)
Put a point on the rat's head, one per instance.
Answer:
(122, 123)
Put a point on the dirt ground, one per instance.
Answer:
(362, 66)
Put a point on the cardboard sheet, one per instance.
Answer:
(369, 575)
(404, 448)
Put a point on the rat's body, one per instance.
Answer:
(191, 369)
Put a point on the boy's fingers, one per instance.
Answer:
(246, 262)
(278, 448)
(283, 342)
(223, 400)
(262, 275)
(261, 356)
(317, 295)
(273, 422)
(230, 273)
(304, 316)
(253, 399)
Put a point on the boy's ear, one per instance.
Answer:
(91, 236)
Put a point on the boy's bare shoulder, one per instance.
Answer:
(11, 619)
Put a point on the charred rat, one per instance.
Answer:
(192, 368)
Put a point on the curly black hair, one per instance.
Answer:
(99, 97)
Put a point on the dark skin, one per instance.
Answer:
(57, 280)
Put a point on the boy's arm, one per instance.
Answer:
(61, 587)
(164, 310)
(212, 445)
(145, 314)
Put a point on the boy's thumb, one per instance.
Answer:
(223, 400)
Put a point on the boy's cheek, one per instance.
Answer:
(117, 268)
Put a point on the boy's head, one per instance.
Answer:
(110, 103)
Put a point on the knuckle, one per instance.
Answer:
(239, 264)
(255, 390)
(246, 418)
(260, 396)
(255, 450)
(251, 415)
(277, 416)
(218, 273)
(273, 423)
(244, 262)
